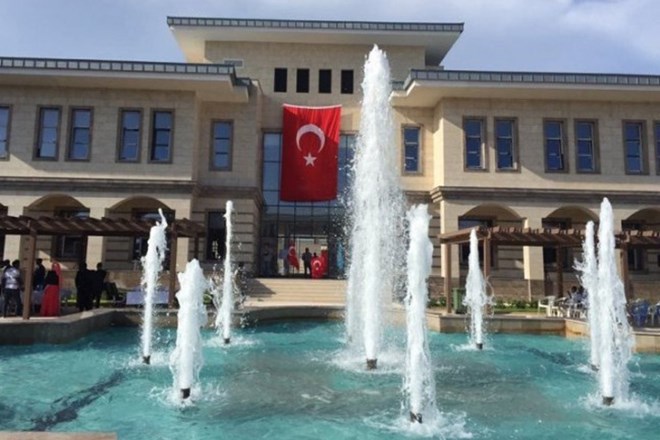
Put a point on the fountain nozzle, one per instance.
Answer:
(594, 367)
(227, 341)
(146, 359)
(608, 401)
(185, 393)
(480, 346)
(415, 417)
(372, 364)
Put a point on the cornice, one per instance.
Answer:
(563, 196)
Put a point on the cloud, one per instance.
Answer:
(548, 35)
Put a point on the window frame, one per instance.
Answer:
(484, 144)
(152, 136)
(301, 72)
(120, 134)
(515, 147)
(656, 144)
(222, 251)
(564, 146)
(57, 243)
(343, 86)
(420, 165)
(7, 131)
(286, 79)
(230, 152)
(643, 162)
(595, 146)
(70, 134)
(322, 90)
(39, 132)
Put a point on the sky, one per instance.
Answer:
(606, 36)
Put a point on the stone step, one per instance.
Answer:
(293, 290)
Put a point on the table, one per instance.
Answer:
(136, 296)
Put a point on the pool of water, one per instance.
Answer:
(293, 381)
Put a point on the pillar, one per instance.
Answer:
(533, 263)
(95, 244)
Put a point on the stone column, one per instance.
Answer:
(95, 245)
(533, 263)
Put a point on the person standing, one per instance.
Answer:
(12, 282)
(307, 261)
(83, 288)
(50, 304)
(39, 275)
(266, 261)
(98, 283)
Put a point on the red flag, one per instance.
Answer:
(310, 141)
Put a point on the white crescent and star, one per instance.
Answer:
(315, 130)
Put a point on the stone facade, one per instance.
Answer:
(527, 196)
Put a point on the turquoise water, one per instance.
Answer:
(292, 381)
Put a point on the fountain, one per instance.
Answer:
(614, 333)
(475, 294)
(152, 264)
(225, 306)
(186, 359)
(376, 215)
(588, 269)
(419, 381)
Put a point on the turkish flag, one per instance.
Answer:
(310, 141)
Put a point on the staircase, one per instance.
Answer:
(265, 292)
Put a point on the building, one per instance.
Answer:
(121, 139)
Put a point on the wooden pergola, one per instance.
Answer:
(547, 237)
(87, 227)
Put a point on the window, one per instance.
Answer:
(325, 81)
(161, 136)
(280, 80)
(550, 254)
(636, 256)
(475, 147)
(586, 146)
(215, 235)
(80, 134)
(411, 150)
(4, 132)
(657, 147)
(48, 132)
(505, 144)
(221, 141)
(71, 247)
(130, 134)
(555, 146)
(633, 140)
(302, 80)
(347, 82)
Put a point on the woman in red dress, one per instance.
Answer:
(50, 303)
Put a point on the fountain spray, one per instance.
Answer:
(376, 214)
(616, 337)
(419, 382)
(186, 359)
(152, 264)
(588, 269)
(226, 306)
(475, 298)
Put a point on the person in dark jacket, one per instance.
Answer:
(39, 277)
(98, 278)
(84, 288)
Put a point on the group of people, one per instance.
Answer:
(46, 284)
(313, 265)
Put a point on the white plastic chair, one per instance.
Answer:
(548, 305)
